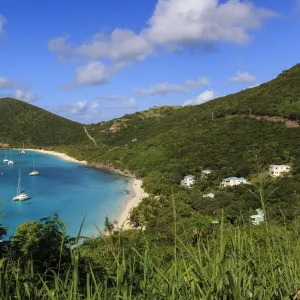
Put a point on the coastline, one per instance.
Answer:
(133, 199)
(60, 155)
(135, 191)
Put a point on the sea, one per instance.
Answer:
(70, 189)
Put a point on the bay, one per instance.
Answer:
(67, 188)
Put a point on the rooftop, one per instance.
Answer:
(235, 178)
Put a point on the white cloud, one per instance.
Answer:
(121, 45)
(176, 23)
(81, 109)
(203, 81)
(94, 73)
(94, 107)
(6, 83)
(162, 89)
(60, 45)
(125, 104)
(202, 98)
(242, 77)
(78, 108)
(26, 96)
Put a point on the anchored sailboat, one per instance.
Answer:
(10, 162)
(5, 160)
(23, 151)
(34, 172)
(21, 195)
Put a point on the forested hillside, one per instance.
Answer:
(22, 122)
(191, 247)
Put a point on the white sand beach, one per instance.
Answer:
(60, 155)
(136, 195)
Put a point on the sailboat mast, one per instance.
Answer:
(33, 162)
(19, 183)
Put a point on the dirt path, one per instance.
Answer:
(89, 136)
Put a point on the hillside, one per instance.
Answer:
(22, 122)
(164, 144)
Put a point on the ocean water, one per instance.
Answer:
(63, 187)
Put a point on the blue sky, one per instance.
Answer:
(97, 60)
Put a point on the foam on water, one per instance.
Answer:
(63, 187)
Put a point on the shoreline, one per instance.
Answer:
(134, 187)
(60, 155)
(135, 196)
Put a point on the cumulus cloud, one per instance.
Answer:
(60, 45)
(202, 98)
(121, 45)
(242, 77)
(176, 23)
(163, 89)
(26, 96)
(95, 73)
(82, 110)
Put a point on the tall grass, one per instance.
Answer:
(233, 263)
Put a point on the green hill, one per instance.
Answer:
(22, 122)
(163, 144)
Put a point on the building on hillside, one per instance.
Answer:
(209, 195)
(279, 170)
(232, 181)
(258, 218)
(188, 181)
(206, 172)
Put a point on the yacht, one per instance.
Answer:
(22, 151)
(34, 172)
(10, 162)
(21, 195)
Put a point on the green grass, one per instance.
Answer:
(228, 263)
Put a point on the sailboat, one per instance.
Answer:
(5, 160)
(10, 162)
(23, 151)
(34, 172)
(21, 195)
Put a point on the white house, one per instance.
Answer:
(258, 218)
(206, 172)
(210, 195)
(231, 181)
(188, 181)
(278, 170)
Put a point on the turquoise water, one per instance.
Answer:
(63, 187)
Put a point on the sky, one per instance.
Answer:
(93, 60)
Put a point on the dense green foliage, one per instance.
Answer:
(22, 122)
(176, 252)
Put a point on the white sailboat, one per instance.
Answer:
(23, 151)
(34, 172)
(10, 162)
(21, 195)
(5, 160)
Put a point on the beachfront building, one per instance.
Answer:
(279, 170)
(232, 181)
(258, 218)
(206, 172)
(188, 181)
(209, 195)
